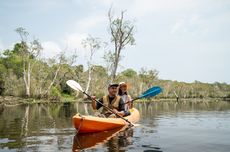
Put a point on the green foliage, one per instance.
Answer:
(12, 59)
(2, 70)
(48, 77)
(100, 71)
(129, 73)
(13, 85)
(1, 87)
(55, 94)
(11, 80)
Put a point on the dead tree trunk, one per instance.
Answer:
(54, 78)
(122, 34)
(89, 78)
(92, 44)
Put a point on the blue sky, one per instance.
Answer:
(185, 40)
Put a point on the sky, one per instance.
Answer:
(185, 40)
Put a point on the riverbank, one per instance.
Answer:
(11, 100)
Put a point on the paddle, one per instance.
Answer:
(76, 86)
(148, 93)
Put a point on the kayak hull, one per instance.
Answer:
(90, 124)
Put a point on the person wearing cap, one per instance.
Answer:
(124, 95)
(113, 101)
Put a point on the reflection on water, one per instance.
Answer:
(164, 126)
(85, 141)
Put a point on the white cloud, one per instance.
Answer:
(190, 25)
(50, 49)
(185, 24)
(73, 43)
(178, 26)
(74, 40)
(82, 29)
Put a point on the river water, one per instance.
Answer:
(163, 127)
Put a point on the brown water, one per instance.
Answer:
(164, 126)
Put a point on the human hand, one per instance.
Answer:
(93, 97)
(115, 110)
(121, 113)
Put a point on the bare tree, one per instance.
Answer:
(92, 44)
(122, 34)
(28, 52)
(62, 59)
(51, 72)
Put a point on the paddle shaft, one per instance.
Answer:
(107, 108)
(149, 93)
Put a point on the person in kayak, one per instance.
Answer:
(123, 93)
(113, 101)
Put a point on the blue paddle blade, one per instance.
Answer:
(151, 89)
(151, 92)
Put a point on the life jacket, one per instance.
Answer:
(114, 104)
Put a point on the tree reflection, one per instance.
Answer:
(35, 127)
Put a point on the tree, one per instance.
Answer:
(92, 44)
(28, 52)
(61, 61)
(122, 34)
(147, 78)
(2, 72)
(99, 82)
(129, 73)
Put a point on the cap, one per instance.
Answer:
(113, 85)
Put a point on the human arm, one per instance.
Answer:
(95, 104)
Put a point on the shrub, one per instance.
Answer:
(55, 94)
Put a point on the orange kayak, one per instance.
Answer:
(90, 124)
